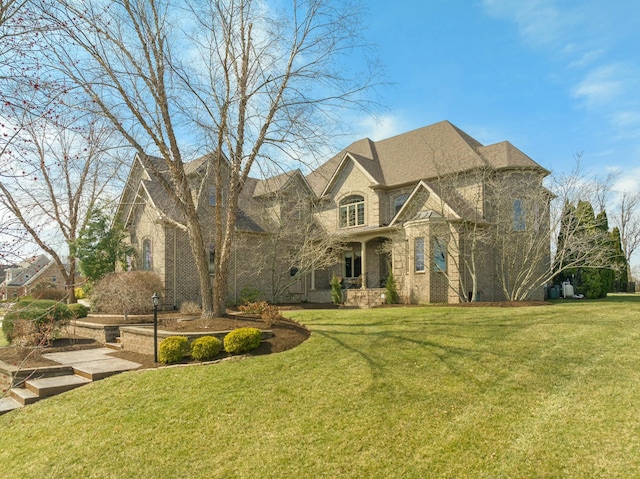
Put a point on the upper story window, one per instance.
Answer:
(398, 203)
(212, 196)
(519, 220)
(352, 211)
(439, 255)
(147, 259)
(418, 248)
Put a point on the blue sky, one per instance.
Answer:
(553, 77)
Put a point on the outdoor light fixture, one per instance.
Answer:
(155, 299)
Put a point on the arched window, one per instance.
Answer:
(352, 211)
(147, 258)
(519, 219)
(398, 203)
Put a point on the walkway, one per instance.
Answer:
(76, 369)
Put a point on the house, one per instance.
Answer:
(452, 219)
(37, 271)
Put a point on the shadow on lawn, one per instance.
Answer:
(456, 359)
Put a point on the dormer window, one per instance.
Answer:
(398, 203)
(352, 211)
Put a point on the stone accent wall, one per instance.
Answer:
(365, 298)
(102, 333)
(140, 340)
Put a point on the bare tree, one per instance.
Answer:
(249, 83)
(296, 243)
(626, 216)
(58, 170)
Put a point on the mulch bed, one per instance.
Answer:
(287, 334)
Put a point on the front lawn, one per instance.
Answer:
(547, 391)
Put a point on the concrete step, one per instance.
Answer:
(100, 369)
(46, 387)
(117, 346)
(23, 396)
(8, 404)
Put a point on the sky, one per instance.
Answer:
(556, 78)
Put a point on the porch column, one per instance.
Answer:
(363, 260)
(313, 279)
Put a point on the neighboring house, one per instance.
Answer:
(32, 273)
(433, 206)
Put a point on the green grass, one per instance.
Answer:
(401, 392)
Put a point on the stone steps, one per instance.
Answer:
(8, 404)
(95, 370)
(23, 395)
(76, 369)
(46, 387)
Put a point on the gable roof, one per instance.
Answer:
(276, 183)
(143, 180)
(426, 153)
(27, 271)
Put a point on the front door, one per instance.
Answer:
(352, 264)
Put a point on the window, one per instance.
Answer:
(212, 259)
(519, 223)
(398, 203)
(147, 262)
(418, 246)
(212, 196)
(439, 255)
(352, 211)
(352, 264)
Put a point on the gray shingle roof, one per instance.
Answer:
(426, 153)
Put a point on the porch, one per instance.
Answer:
(364, 298)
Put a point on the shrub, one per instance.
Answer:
(270, 314)
(392, 294)
(78, 311)
(128, 293)
(249, 294)
(173, 349)
(190, 308)
(54, 294)
(205, 348)
(46, 318)
(242, 340)
(256, 307)
(336, 290)
(80, 293)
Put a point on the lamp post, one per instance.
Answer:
(155, 299)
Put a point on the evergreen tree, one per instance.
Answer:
(620, 266)
(392, 294)
(607, 275)
(101, 246)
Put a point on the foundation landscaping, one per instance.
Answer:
(550, 390)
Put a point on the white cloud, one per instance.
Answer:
(628, 181)
(381, 127)
(601, 85)
(584, 59)
(625, 119)
(539, 21)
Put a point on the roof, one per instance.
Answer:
(166, 205)
(27, 271)
(426, 153)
